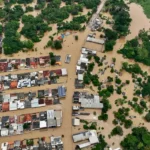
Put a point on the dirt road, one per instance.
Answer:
(99, 8)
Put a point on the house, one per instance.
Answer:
(27, 118)
(90, 135)
(4, 132)
(13, 84)
(43, 124)
(94, 40)
(79, 84)
(13, 105)
(5, 106)
(58, 116)
(51, 121)
(56, 142)
(5, 121)
(75, 122)
(88, 51)
(61, 91)
(90, 101)
(80, 77)
(4, 146)
(57, 59)
(19, 129)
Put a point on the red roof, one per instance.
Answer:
(3, 67)
(5, 106)
(46, 73)
(27, 117)
(58, 71)
(13, 84)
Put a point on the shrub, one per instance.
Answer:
(117, 131)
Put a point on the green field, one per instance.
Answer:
(145, 4)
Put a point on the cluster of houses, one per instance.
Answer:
(44, 143)
(13, 125)
(82, 66)
(89, 136)
(28, 63)
(31, 79)
(19, 101)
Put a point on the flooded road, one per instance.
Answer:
(70, 46)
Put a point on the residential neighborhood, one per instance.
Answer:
(74, 75)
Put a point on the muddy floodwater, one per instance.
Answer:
(70, 46)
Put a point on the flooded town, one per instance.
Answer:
(74, 76)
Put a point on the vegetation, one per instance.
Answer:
(147, 117)
(132, 68)
(34, 27)
(91, 126)
(119, 10)
(111, 37)
(138, 51)
(101, 145)
(138, 139)
(117, 131)
(103, 117)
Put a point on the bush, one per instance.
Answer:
(103, 117)
(117, 80)
(128, 124)
(117, 131)
(76, 37)
(147, 117)
(127, 81)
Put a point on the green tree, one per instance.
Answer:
(147, 117)
(117, 131)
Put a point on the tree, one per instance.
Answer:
(147, 117)
(103, 117)
(139, 139)
(128, 124)
(76, 38)
(53, 61)
(57, 44)
(117, 131)
(28, 44)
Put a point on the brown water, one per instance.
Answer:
(70, 46)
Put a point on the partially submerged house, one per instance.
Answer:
(90, 135)
(87, 100)
(39, 143)
(13, 125)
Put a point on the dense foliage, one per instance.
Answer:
(119, 10)
(139, 139)
(140, 52)
(111, 37)
(34, 27)
(101, 145)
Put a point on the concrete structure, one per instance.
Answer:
(94, 40)
(75, 122)
(90, 135)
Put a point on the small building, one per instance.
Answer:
(61, 91)
(79, 84)
(90, 135)
(80, 77)
(94, 40)
(90, 101)
(75, 122)
(56, 142)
